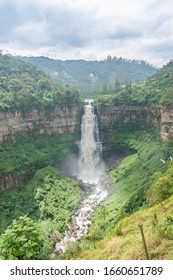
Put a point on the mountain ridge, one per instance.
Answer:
(93, 75)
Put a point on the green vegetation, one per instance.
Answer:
(23, 240)
(93, 77)
(23, 86)
(48, 200)
(132, 182)
(30, 152)
(56, 197)
(21, 159)
(154, 90)
(162, 187)
(125, 243)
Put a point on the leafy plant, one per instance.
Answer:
(49, 198)
(23, 240)
(162, 187)
(166, 228)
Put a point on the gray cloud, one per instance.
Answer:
(129, 28)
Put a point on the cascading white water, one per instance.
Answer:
(90, 160)
(91, 168)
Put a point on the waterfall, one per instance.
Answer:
(90, 157)
(91, 168)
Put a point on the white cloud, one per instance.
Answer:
(89, 29)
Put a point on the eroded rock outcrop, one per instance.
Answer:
(130, 117)
(166, 129)
(51, 120)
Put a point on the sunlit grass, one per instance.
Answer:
(129, 244)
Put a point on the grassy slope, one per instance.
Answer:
(133, 177)
(128, 244)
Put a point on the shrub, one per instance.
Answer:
(161, 188)
(23, 240)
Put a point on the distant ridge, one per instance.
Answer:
(93, 75)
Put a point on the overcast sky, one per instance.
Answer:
(88, 29)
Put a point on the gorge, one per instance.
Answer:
(57, 150)
(59, 120)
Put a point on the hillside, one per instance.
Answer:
(94, 76)
(158, 229)
(23, 85)
(157, 89)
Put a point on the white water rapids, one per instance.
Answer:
(91, 172)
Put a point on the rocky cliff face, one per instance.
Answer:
(10, 181)
(166, 130)
(66, 119)
(128, 117)
(50, 120)
(137, 117)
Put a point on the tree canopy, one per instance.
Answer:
(94, 76)
(23, 85)
(158, 89)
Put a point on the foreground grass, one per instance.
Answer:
(126, 244)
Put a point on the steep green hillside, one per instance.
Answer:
(157, 220)
(94, 76)
(49, 198)
(31, 152)
(133, 177)
(158, 89)
(22, 85)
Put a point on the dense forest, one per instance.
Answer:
(156, 89)
(23, 85)
(94, 76)
(34, 215)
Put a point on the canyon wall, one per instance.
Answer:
(125, 118)
(51, 120)
(67, 119)
(166, 124)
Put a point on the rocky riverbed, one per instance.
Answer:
(81, 218)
